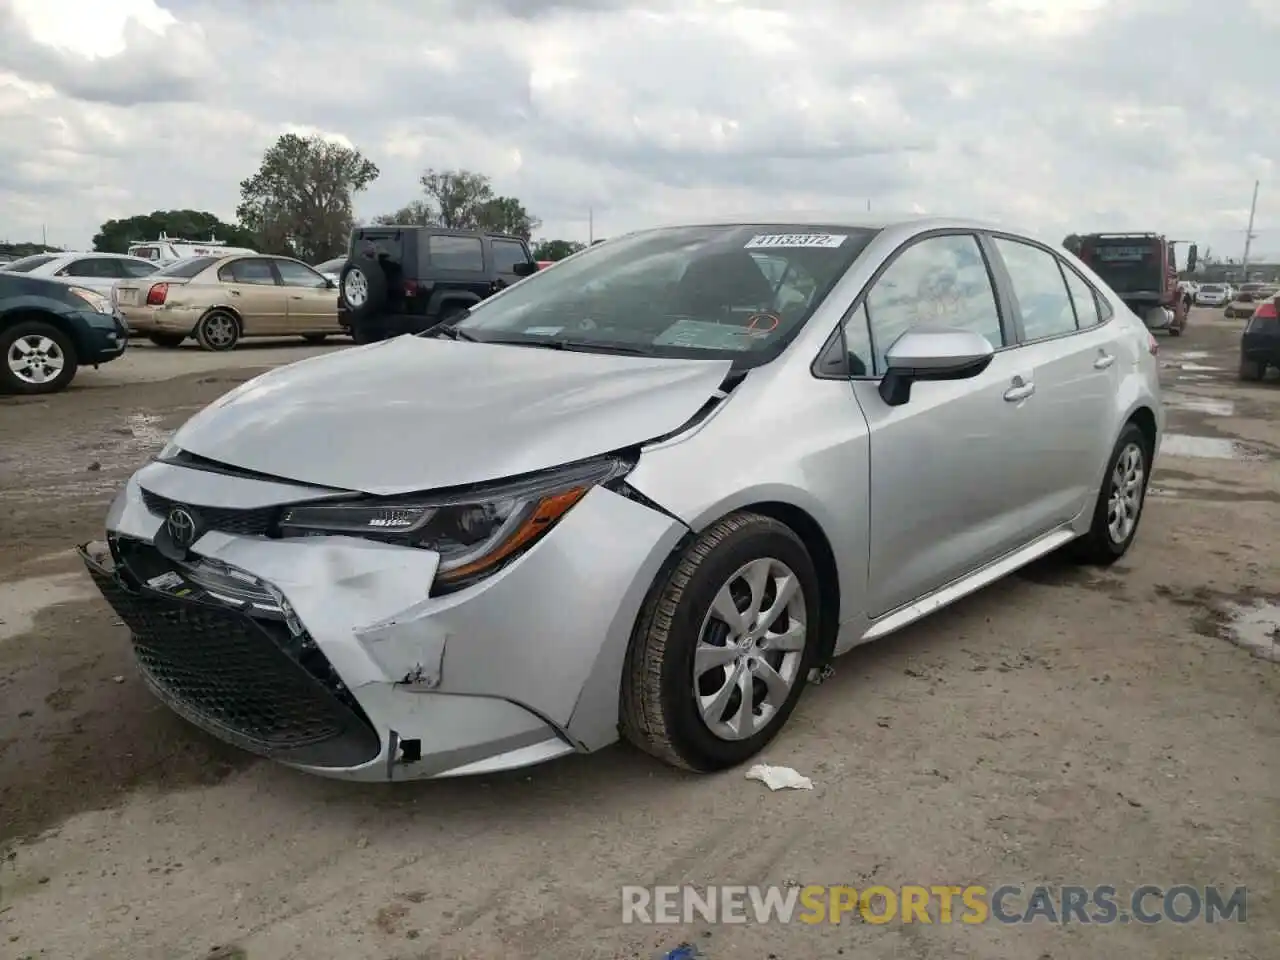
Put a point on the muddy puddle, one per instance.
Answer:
(1212, 448)
(22, 600)
(1255, 627)
(1209, 406)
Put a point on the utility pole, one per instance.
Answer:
(591, 225)
(44, 235)
(1249, 235)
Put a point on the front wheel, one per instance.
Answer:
(723, 647)
(1120, 502)
(37, 358)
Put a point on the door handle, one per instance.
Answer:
(235, 293)
(294, 296)
(1104, 360)
(1019, 391)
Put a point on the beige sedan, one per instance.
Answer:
(219, 300)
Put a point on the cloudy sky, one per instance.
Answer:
(1057, 115)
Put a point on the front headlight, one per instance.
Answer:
(95, 300)
(474, 532)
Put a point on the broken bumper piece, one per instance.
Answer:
(329, 655)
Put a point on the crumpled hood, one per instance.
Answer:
(418, 414)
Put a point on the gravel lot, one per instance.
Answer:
(1065, 726)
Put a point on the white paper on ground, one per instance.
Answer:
(779, 778)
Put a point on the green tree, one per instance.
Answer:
(456, 197)
(300, 200)
(114, 236)
(417, 213)
(507, 215)
(556, 249)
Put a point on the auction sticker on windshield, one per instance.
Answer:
(828, 241)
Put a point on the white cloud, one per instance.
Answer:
(1056, 114)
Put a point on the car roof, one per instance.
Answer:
(905, 225)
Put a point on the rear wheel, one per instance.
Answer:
(218, 330)
(722, 649)
(36, 357)
(1120, 502)
(166, 339)
(1251, 369)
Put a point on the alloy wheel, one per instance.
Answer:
(1125, 499)
(36, 359)
(749, 649)
(355, 289)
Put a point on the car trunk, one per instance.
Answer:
(133, 293)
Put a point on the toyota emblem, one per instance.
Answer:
(181, 526)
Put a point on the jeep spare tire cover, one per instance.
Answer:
(362, 287)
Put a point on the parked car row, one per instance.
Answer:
(1245, 300)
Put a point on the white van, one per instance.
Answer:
(168, 250)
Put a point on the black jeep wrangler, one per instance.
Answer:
(407, 279)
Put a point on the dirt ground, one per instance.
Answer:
(1065, 726)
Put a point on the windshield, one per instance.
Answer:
(27, 264)
(1211, 288)
(332, 266)
(186, 269)
(738, 291)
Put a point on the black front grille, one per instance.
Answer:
(258, 522)
(242, 679)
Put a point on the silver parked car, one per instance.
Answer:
(649, 492)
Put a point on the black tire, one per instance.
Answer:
(315, 337)
(1175, 331)
(52, 342)
(1099, 546)
(658, 710)
(218, 331)
(167, 339)
(1252, 369)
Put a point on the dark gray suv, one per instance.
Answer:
(407, 279)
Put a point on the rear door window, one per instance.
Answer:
(465, 254)
(253, 270)
(1039, 288)
(1083, 299)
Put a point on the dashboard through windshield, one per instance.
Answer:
(739, 291)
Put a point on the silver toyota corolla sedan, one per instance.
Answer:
(649, 493)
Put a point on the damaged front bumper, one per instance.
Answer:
(328, 654)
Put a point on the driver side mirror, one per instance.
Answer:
(937, 353)
(1192, 256)
(526, 269)
(331, 283)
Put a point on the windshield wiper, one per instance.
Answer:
(564, 343)
(453, 332)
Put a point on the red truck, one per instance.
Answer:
(1142, 268)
